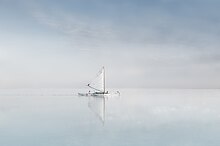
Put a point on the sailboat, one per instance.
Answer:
(97, 85)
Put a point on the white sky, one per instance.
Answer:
(142, 43)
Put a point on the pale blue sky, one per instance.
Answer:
(142, 43)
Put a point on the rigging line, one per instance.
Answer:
(97, 75)
(93, 88)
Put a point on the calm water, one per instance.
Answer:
(139, 117)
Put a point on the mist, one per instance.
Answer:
(154, 44)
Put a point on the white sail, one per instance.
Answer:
(98, 83)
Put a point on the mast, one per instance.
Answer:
(104, 78)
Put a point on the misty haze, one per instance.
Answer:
(159, 83)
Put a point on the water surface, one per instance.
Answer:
(152, 117)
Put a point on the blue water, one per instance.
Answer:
(139, 117)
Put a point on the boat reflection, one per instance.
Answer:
(97, 105)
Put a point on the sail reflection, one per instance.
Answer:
(97, 105)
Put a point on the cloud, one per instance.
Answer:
(149, 42)
(83, 32)
(138, 24)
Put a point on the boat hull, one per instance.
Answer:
(92, 94)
